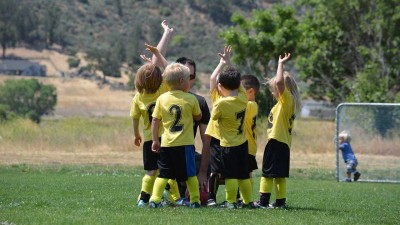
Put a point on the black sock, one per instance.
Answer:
(144, 196)
(264, 198)
(280, 202)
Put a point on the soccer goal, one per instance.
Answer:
(375, 139)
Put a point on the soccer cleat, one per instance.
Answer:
(275, 206)
(227, 205)
(348, 180)
(141, 203)
(194, 205)
(239, 203)
(182, 202)
(167, 199)
(211, 203)
(357, 176)
(259, 205)
(251, 205)
(155, 205)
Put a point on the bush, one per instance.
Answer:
(73, 62)
(27, 98)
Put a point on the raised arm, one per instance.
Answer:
(158, 58)
(164, 41)
(279, 79)
(224, 60)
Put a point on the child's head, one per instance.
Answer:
(251, 84)
(344, 136)
(148, 78)
(177, 77)
(291, 85)
(229, 79)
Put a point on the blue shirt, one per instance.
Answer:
(347, 152)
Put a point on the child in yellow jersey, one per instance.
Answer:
(276, 159)
(251, 84)
(228, 116)
(149, 85)
(175, 111)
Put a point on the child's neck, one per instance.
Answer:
(231, 93)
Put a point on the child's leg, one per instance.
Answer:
(193, 186)
(173, 190)
(159, 186)
(213, 185)
(266, 185)
(245, 190)
(147, 185)
(280, 187)
(231, 187)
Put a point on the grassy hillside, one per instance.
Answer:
(122, 26)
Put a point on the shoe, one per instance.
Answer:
(259, 205)
(141, 203)
(167, 199)
(275, 206)
(251, 205)
(211, 203)
(357, 176)
(348, 180)
(239, 203)
(155, 205)
(182, 202)
(227, 205)
(194, 205)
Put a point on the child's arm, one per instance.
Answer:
(136, 133)
(197, 117)
(279, 79)
(164, 41)
(160, 60)
(155, 123)
(225, 60)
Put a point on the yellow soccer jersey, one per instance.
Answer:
(251, 126)
(175, 109)
(212, 126)
(281, 118)
(143, 105)
(230, 113)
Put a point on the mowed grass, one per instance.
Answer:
(75, 194)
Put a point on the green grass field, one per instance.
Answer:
(61, 194)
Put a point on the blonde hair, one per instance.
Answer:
(345, 136)
(148, 78)
(291, 85)
(174, 73)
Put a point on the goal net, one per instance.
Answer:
(375, 140)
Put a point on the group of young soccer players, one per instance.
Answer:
(229, 134)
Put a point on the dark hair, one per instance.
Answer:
(230, 78)
(184, 60)
(250, 81)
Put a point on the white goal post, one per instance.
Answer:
(375, 140)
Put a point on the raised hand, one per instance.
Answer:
(284, 59)
(165, 26)
(151, 48)
(145, 58)
(226, 56)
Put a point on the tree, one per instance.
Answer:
(258, 41)
(27, 98)
(350, 50)
(8, 31)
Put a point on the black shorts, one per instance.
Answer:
(177, 162)
(252, 163)
(276, 159)
(215, 156)
(235, 161)
(150, 158)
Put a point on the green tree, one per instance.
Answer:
(27, 98)
(8, 30)
(258, 41)
(349, 50)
